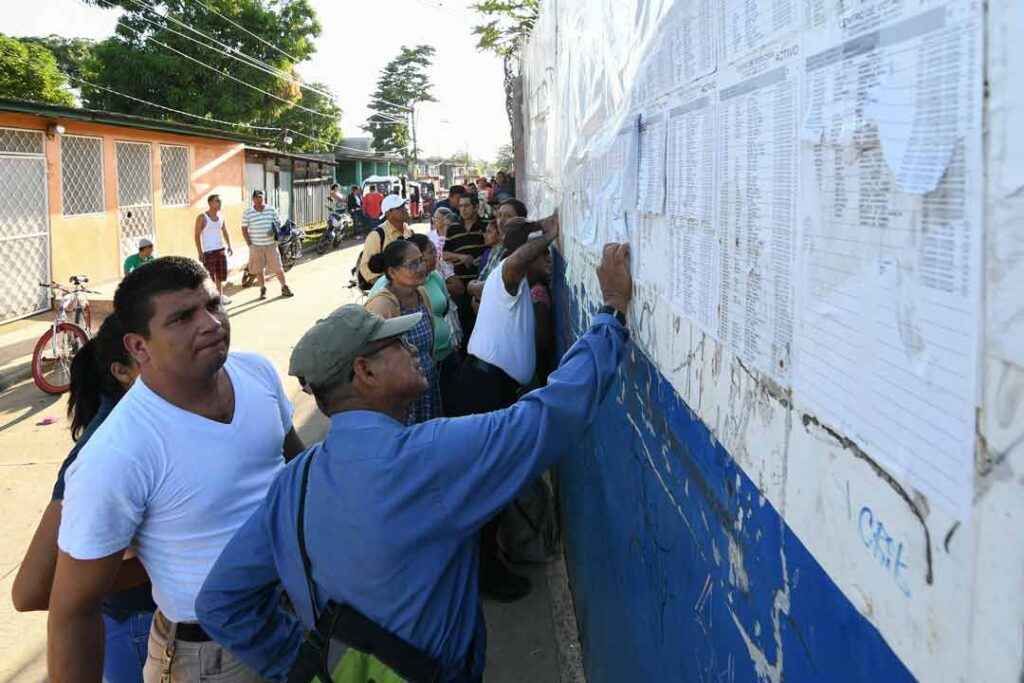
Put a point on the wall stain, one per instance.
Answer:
(851, 446)
(949, 535)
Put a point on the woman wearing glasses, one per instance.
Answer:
(403, 264)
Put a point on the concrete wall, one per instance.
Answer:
(718, 526)
(89, 244)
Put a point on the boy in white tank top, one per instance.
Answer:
(211, 238)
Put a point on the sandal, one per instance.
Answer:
(263, 292)
(285, 292)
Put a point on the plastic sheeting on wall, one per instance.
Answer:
(809, 199)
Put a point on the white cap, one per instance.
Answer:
(145, 242)
(392, 201)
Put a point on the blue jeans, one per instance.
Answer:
(125, 652)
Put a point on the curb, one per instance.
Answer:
(15, 374)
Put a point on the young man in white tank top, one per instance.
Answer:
(211, 238)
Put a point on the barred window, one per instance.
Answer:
(81, 173)
(19, 141)
(174, 174)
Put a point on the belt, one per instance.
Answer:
(484, 366)
(190, 632)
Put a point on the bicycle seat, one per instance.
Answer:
(79, 279)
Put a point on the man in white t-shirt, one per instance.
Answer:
(502, 359)
(174, 471)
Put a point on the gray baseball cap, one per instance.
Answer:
(332, 344)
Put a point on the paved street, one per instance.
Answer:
(522, 639)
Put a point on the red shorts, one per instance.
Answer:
(216, 263)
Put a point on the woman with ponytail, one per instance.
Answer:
(101, 372)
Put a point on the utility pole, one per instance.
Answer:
(415, 149)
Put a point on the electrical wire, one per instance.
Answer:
(227, 75)
(259, 38)
(234, 53)
(170, 109)
(248, 59)
(255, 64)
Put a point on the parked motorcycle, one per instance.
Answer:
(339, 228)
(289, 244)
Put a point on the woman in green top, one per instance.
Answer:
(448, 362)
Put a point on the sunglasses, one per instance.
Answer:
(415, 264)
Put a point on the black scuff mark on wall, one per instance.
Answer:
(949, 535)
(851, 446)
(800, 636)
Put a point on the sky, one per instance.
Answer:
(351, 50)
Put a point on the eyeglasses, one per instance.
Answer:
(415, 264)
(374, 352)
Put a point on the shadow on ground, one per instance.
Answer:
(23, 402)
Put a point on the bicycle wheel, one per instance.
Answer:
(51, 359)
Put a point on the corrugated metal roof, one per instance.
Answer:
(53, 111)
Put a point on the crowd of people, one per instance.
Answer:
(181, 545)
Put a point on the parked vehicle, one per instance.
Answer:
(71, 329)
(339, 227)
(289, 244)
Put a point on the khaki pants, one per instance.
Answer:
(175, 661)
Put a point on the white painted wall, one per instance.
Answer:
(960, 620)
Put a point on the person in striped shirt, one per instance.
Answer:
(258, 223)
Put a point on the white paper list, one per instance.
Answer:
(651, 173)
(890, 256)
(749, 24)
(756, 217)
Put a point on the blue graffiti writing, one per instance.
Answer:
(883, 547)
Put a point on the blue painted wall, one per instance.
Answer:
(649, 533)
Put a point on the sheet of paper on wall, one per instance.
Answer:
(690, 156)
(649, 253)
(650, 196)
(890, 257)
(692, 41)
(627, 159)
(757, 185)
(1008, 98)
(750, 24)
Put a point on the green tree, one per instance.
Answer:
(505, 24)
(29, 72)
(506, 158)
(310, 133)
(198, 57)
(403, 83)
(74, 55)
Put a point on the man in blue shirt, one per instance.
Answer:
(393, 513)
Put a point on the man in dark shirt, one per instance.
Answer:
(354, 203)
(455, 193)
(466, 242)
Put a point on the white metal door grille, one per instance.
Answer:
(24, 224)
(134, 194)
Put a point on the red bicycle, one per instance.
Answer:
(71, 329)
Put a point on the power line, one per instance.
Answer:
(227, 75)
(232, 52)
(249, 60)
(259, 38)
(207, 119)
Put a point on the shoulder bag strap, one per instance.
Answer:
(306, 565)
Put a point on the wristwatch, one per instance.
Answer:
(611, 310)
